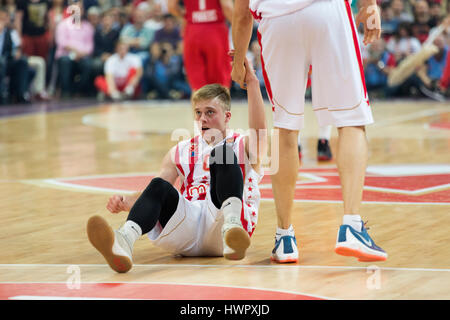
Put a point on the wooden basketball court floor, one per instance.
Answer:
(59, 168)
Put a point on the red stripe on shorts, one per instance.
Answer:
(266, 78)
(356, 44)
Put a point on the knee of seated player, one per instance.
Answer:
(222, 154)
(157, 187)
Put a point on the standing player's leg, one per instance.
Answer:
(345, 105)
(226, 192)
(157, 203)
(352, 157)
(283, 186)
(285, 59)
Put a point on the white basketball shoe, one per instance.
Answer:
(236, 239)
(113, 245)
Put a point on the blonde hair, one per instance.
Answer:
(213, 91)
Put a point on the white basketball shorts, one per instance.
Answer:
(195, 229)
(322, 35)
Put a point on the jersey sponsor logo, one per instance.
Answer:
(197, 190)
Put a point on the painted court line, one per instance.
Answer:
(229, 266)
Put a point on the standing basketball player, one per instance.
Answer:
(216, 210)
(293, 35)
(205, 40)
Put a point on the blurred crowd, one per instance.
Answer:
(407, 26)
(133, 49)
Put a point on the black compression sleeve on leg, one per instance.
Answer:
(226, 175)
(158, 202)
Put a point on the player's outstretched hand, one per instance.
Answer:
(369, 16)
(238, 72)
(250, 75)
(117, 203)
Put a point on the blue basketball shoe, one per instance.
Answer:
(352, 243)
(285, 250)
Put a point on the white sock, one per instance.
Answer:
(232, 206)
(325, 132)
(132, 231)
(353, 220)
(284, 232)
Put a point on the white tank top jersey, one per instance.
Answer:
(275, 8)
(192, 163)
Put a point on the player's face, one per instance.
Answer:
(211, 119)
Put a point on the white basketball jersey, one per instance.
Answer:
(192, 162)
(274, 8)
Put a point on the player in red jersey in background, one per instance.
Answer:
(206, 43)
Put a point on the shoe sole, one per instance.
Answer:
(324, 158)
(362, 256)
(287, 260)
(101, 236)
(238, 240)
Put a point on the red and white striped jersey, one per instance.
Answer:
(192, 162)
(274, 8)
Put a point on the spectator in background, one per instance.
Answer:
(74, 46)
(105, 40)
(138, 36)
(164, 78)
(436, 64)
(388, 22)
(106, 5)
(10, 66)
(436, 12)
(32, 24)
(36, 66)
(56, 14)
(377, 65)
(11, 7)
(169, 33)
(421, 25)
(399, 12)
(87, 4)
(93, 16)
(403, 43)
(154, 16)
(123, 72)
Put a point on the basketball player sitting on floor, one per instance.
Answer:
(215, 211)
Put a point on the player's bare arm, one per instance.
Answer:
(168, 172)
(369, 16)
(256, 143)
(241, 28)
(227, 9)
(175, 9)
